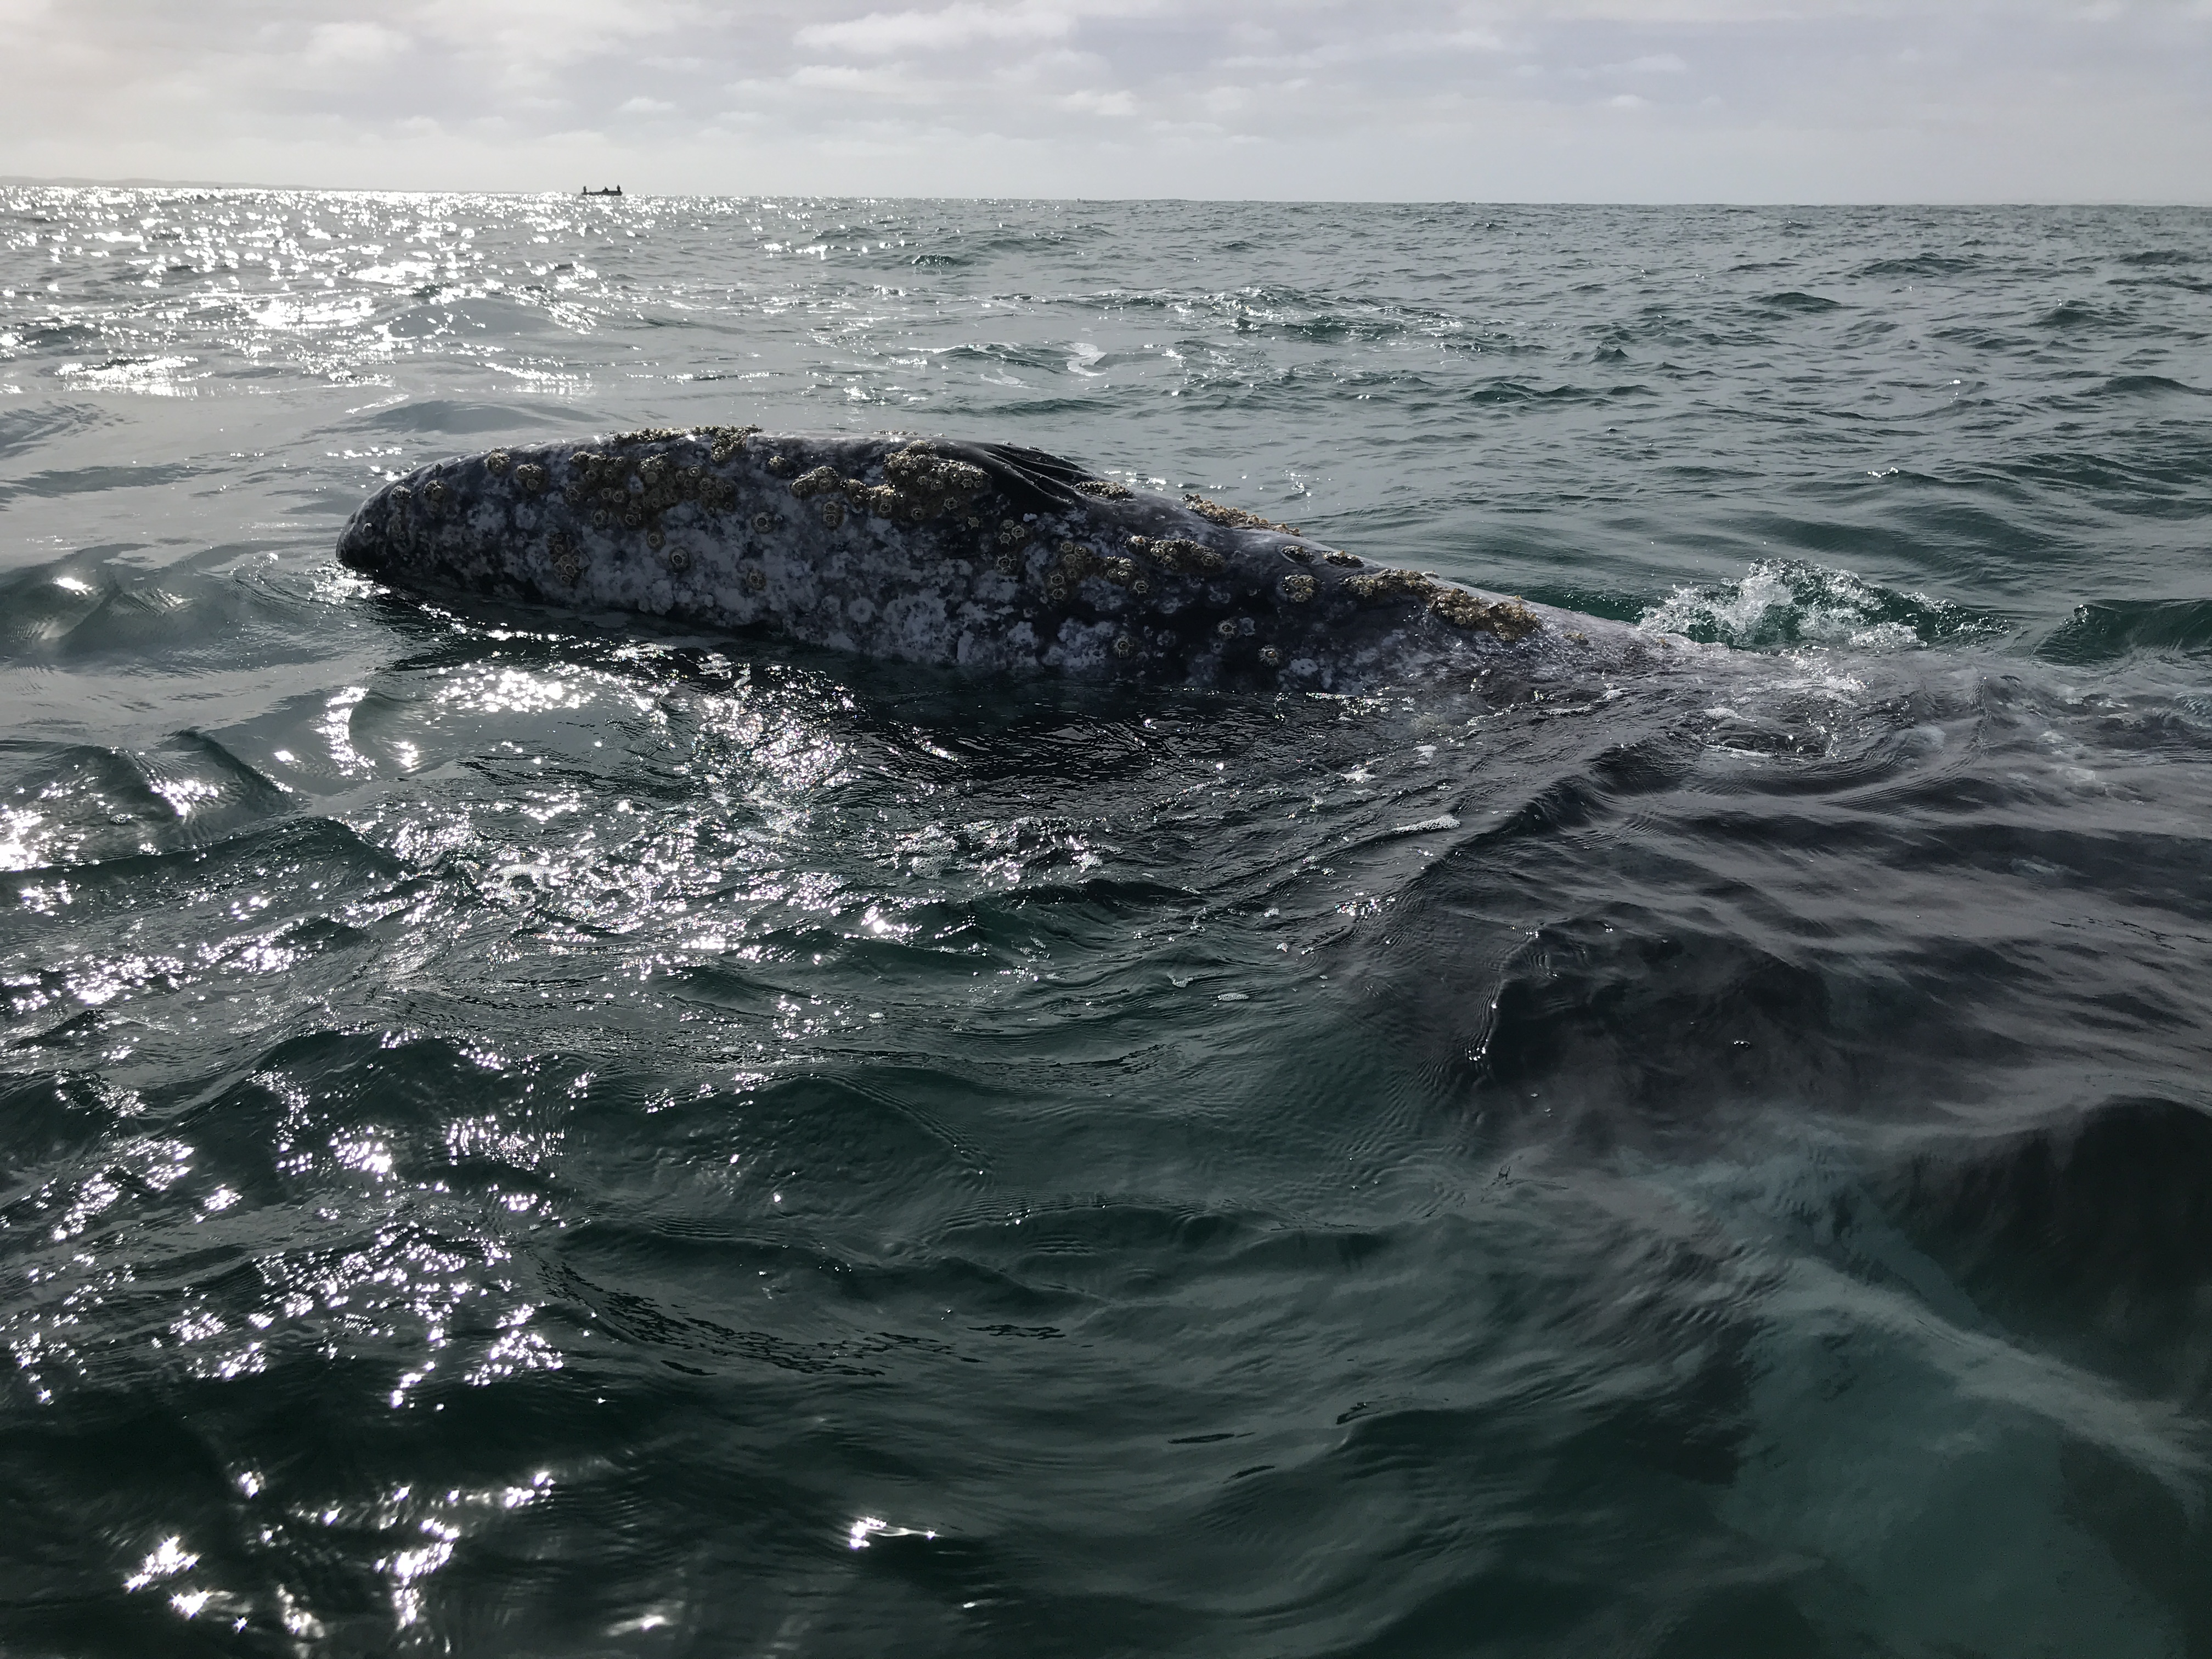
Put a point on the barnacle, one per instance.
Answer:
(678, 560)
(814, 482)
(1299, 588)
(763, 523)
(1180, 553)
(1124, 646)
(1296, 554)
(401, 495)
(434, 496)
(1076, 563)
(567, 563)
(1105, 488)
(932, 481)
(1226, 628)
(495, 463)
(633, 518)
(727, 440)
(1270, 656)
(1235, 518)
(1509, 619)
(1387, 581)
(654, 539)
(779, 464)
(1350, 561)
(601, 517)
(833, 513)
(754, 580)
(531, 476)
(1006, 564)
(651, 434)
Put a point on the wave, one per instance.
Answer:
(1514, 390)
(460, 417)
(1792, 300)
(2149, 385)
(1924, 264)
(1779, 605)
(2080, 313)
(2107, 630)
(24, 429)
(1179, 1168)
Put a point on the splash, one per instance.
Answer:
(1781, 603)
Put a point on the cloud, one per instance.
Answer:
(1804, 99)
(884, 34)
(353, 42)
(846, 80)
(1118, 105)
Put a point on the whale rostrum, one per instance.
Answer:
(989, 557)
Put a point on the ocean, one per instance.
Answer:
(552, 1135)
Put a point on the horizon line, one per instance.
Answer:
(70, 181)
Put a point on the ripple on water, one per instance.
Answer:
(529, 1134)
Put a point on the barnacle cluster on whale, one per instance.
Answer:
(993, 557)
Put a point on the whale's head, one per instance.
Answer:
(388, 537)
(437, 528)
(365, 543)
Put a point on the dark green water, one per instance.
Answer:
(533, 1136)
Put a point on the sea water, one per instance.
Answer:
(547, 1135)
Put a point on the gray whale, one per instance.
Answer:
(989, 557)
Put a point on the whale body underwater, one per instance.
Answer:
(986, 557)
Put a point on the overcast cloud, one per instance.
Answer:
(1593, 100)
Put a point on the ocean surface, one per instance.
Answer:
(544, 1135)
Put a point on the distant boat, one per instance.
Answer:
(614, 190)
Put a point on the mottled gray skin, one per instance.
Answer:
(998, 560)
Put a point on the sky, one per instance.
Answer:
(1612, 100)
